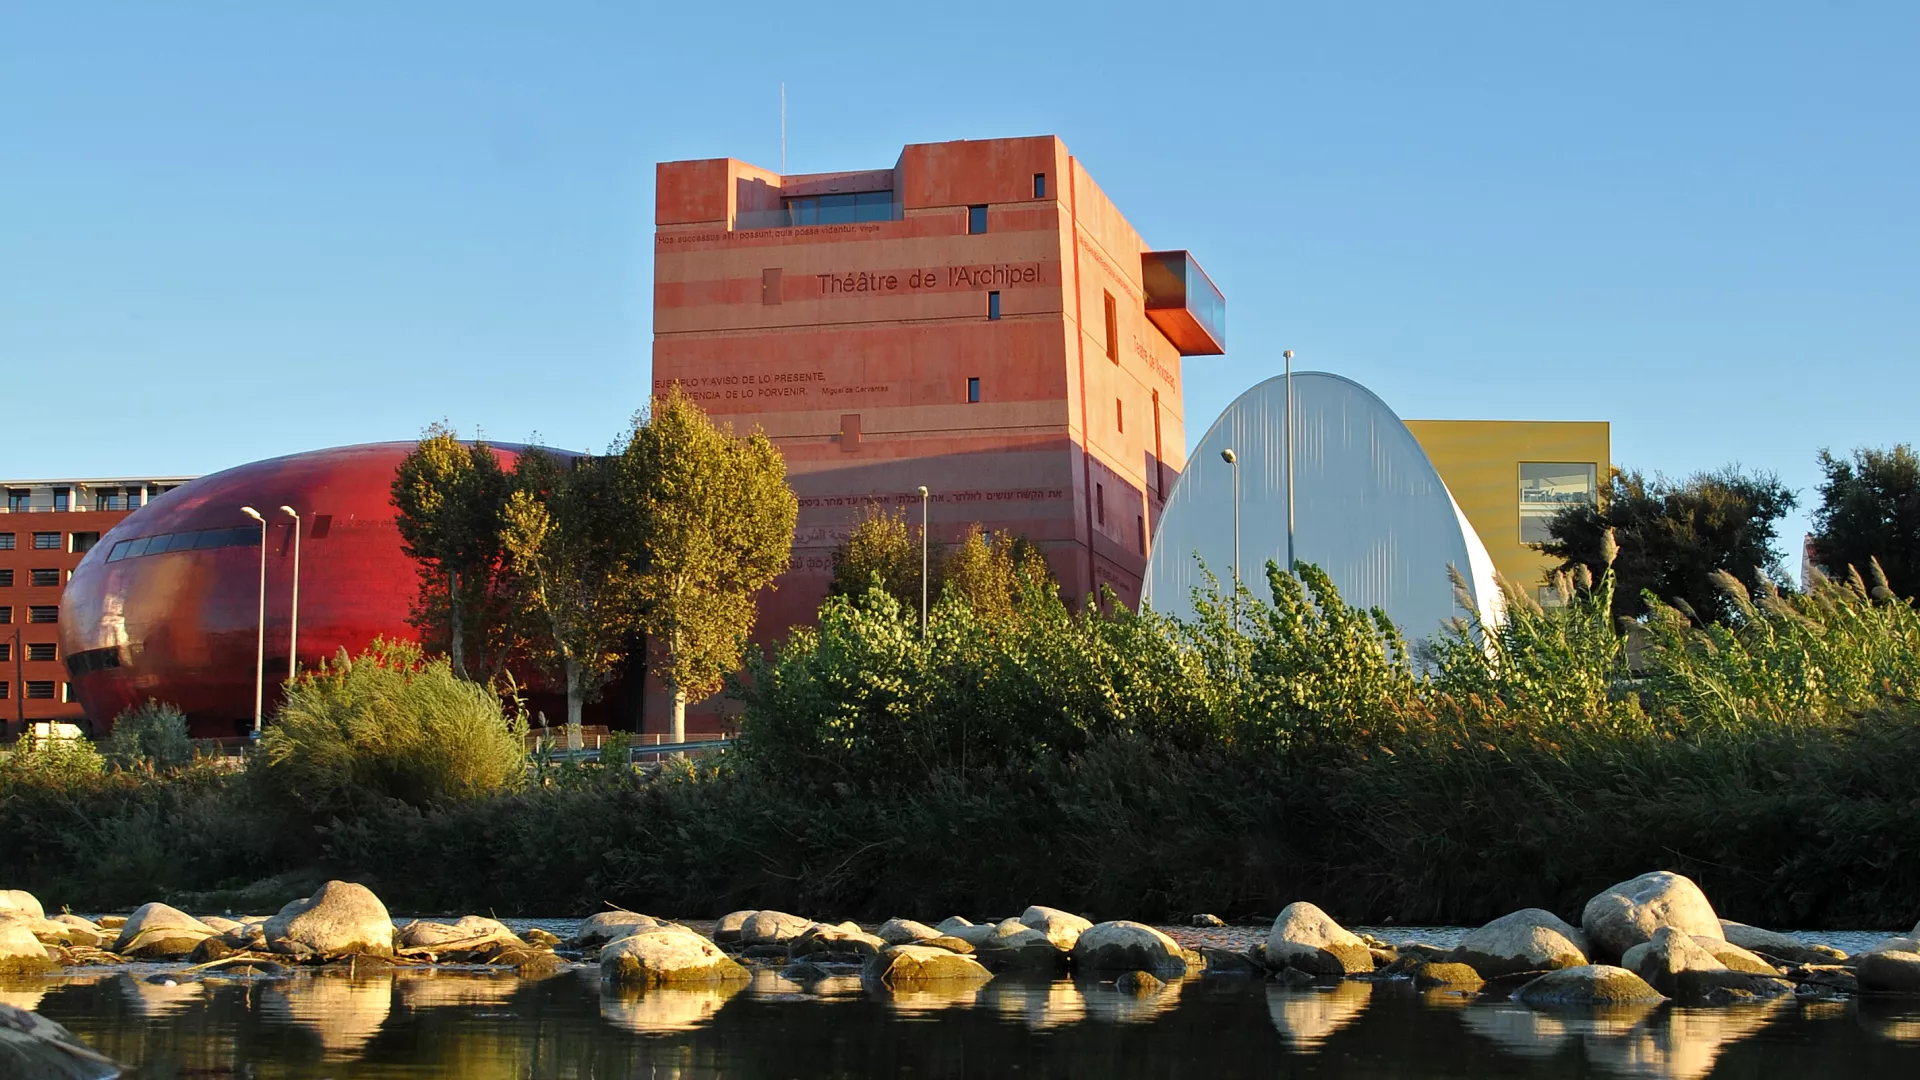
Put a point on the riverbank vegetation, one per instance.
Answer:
(1276, 748)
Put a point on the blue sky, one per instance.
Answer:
(231, 230)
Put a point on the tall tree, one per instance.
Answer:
(716, 521)
(1870, 510)
(1673, 537)
(882, 545)
(449, 497)
(571, 538)
(989, 575)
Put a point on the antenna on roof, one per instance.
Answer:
(783, 129)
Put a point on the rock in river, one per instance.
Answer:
(33, 1047)
(1628, 913)
(1680, 967)
(21, 901)
(772, 928)
(156, 931)
(1304, 937)
(668, 958)
(20, 951)
(905, 932)
(903, 964)
(340, 919)
(1062, 928)
(605, 926)
(1124, 945)
(1530, 939)
(1589, 984)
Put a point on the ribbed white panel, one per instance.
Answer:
(1369, 509)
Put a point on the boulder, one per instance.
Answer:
(1628, 913)
(212, 949)
(1137, 984)
(1305, 937)
(1737, 958)
(905, 932)
(535, 936)
(1015, 944)
(1458, 976)
(1231, 962)
(1208, 921)
(55, 932)
(950, 924)
(728, 928)
(828, 944)
(1678, 966)
(606, 926)
(1889, 971)
(470, 932)
(33, 1046)
(1588, 984)
(156, 931)
(1769, 943)
(20, 951)
(1527, 940)
(773, 928)
(23, 902)
(668, 958)
(1062, 928)
(896, 965)
(341, 918)
(947, 942)
(1124, 945)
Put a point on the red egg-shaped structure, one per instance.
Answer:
(167, 606)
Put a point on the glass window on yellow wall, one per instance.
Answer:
(1113, 329)
(1548, 487)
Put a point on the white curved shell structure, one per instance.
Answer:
(1369, 509)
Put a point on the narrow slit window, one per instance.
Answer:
(1113, 329)
(1140, 529)
(1119, 416)
(993, 305)
(976, 220)
(1159, 464)
(973, 390)
(1039, 185)
(1100, 504)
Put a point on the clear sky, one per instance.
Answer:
(231, 230)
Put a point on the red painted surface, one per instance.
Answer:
(184, 622)
(17, 711)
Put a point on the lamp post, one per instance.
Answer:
(923, 562)
(1230, 458)
(293, 621)
(1289, 430)
(260, 657)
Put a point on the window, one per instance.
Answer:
(40, 650)
(6, 651)
(1100, 504)
(40, 689)
(4, 691)
(82, 542)
(18, 499)
(46, 541)
(1159, 464)
(993, 305)
(973, 390)
(6, 579)
(1113, 329)
(111, 499)
(133, 498)
(1140, 529)
(6, 615)
(845, 208)
(62, 499)
(6, 541)
(976, 219)
(66, 692)
(1119, 417)
(43, 613)
(1546, 488)
(40, 579)
(1039, 185)
(156, 490)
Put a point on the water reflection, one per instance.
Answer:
(1036, 1005)
(443, 989)
(343, 1013)
(1306, 1015)
(1897, 1019)
(1681, 1044)
(664, 1010)
(1518, 1030)
(156, 999)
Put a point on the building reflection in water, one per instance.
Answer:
(1304, 1016)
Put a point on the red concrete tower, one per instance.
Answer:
(979, 319)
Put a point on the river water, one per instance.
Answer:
(462, 1023)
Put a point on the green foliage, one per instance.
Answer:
(1869, 513)
(716, 525)
(449, 499)
(1673, 537)
(388, 724)
(153, 735)
(49, 763)
(881, 547)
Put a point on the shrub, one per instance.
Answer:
(154, 734)
(389, 724)
(50, 763)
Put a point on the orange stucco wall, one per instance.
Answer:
(851, 346)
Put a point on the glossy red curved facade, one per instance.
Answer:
(179, 626)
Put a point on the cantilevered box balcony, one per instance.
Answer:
(1183, 303)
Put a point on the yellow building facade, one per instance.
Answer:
(1511, 476)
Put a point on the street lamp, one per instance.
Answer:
(1289, 430)
(923, 562)
(260, 657)
(293, 622)
(1228, 456)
